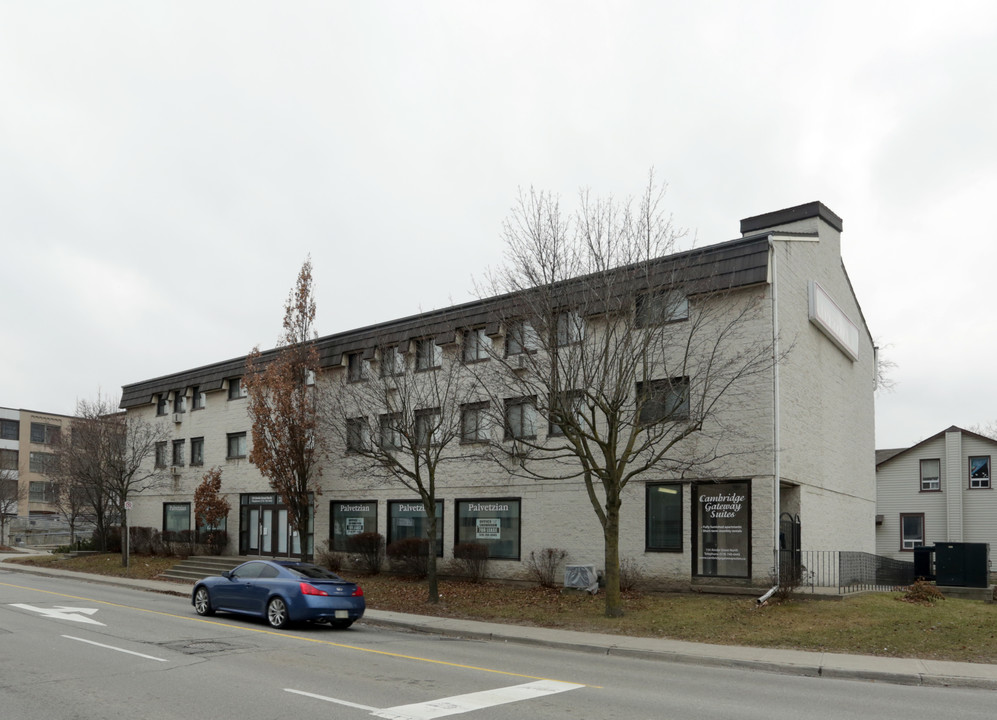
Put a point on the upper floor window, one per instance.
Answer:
(178, 453)
(236, 389)
(10, 430)
(661, 400)
(428, 429)
(931, 475)
(391, 435)
(8, 459)
(474, 422)
(197, 451)
(392, 362)
(566, 409)
(198, 398)
(428, 354)
(161, 454)
(570, 328)
(356, 434)
(355, 371)
(236, 445)
(41, 491)
(520, 338)
(659, 308)
(979, 471)
(179, 402)
(41, 463)
(476, 345)
(520, 418)
(45, 434)
(162, 405)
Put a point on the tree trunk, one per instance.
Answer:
(125, 550)
(614, 601)
(431, 579)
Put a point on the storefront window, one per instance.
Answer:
(408, 519)
(663, 511)
(176, 517)
(352, 518)
(494, 523)
(722, 522)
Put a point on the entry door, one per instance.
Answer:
(254, 531)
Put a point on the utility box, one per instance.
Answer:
(962, 564)
(924, 562)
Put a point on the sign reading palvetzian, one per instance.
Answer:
(722, 521)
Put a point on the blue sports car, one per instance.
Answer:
(282, 592)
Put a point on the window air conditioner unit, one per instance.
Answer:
(177, 417)
(520, 362)
(175, 471)
(581, 577)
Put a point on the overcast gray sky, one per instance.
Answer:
(166, 167)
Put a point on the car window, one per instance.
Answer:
(269, 571)
(248, 571)
(312, 571)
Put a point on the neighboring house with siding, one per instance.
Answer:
(939, 490)
(808, 421)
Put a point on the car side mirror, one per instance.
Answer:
(227, 574)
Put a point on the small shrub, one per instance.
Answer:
(632, 574)
(143, 540)
(213, 542)
(470, 560)
(922, 593)
(791, 577)
(543, 566)
(179, 543)
(368, 548)
(329, 558)
(409, 556)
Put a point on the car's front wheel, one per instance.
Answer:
(202, 602)
(277, 613)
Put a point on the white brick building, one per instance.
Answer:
(806, 421)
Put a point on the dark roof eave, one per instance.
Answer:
(745, 263)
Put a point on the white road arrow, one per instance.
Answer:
(64, 613)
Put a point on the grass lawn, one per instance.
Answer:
(869, 624)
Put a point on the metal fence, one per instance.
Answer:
(844, 572)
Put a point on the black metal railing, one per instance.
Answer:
(844, 571)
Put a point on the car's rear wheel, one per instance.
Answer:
(202, 602)
(277, 613)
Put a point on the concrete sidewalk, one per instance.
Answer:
(900, 671)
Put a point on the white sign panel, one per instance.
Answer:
(832, 321)
(489, 528)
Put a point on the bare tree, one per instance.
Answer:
(8, 499)
(106, 460)
(287, 450)
(987, 429)
(619, 354)
(401, 424)
(75, 504)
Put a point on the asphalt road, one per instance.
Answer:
(74, 650)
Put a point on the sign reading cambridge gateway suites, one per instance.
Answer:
(723, 529)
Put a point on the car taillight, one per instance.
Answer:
(358, 592)
(307, 589)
